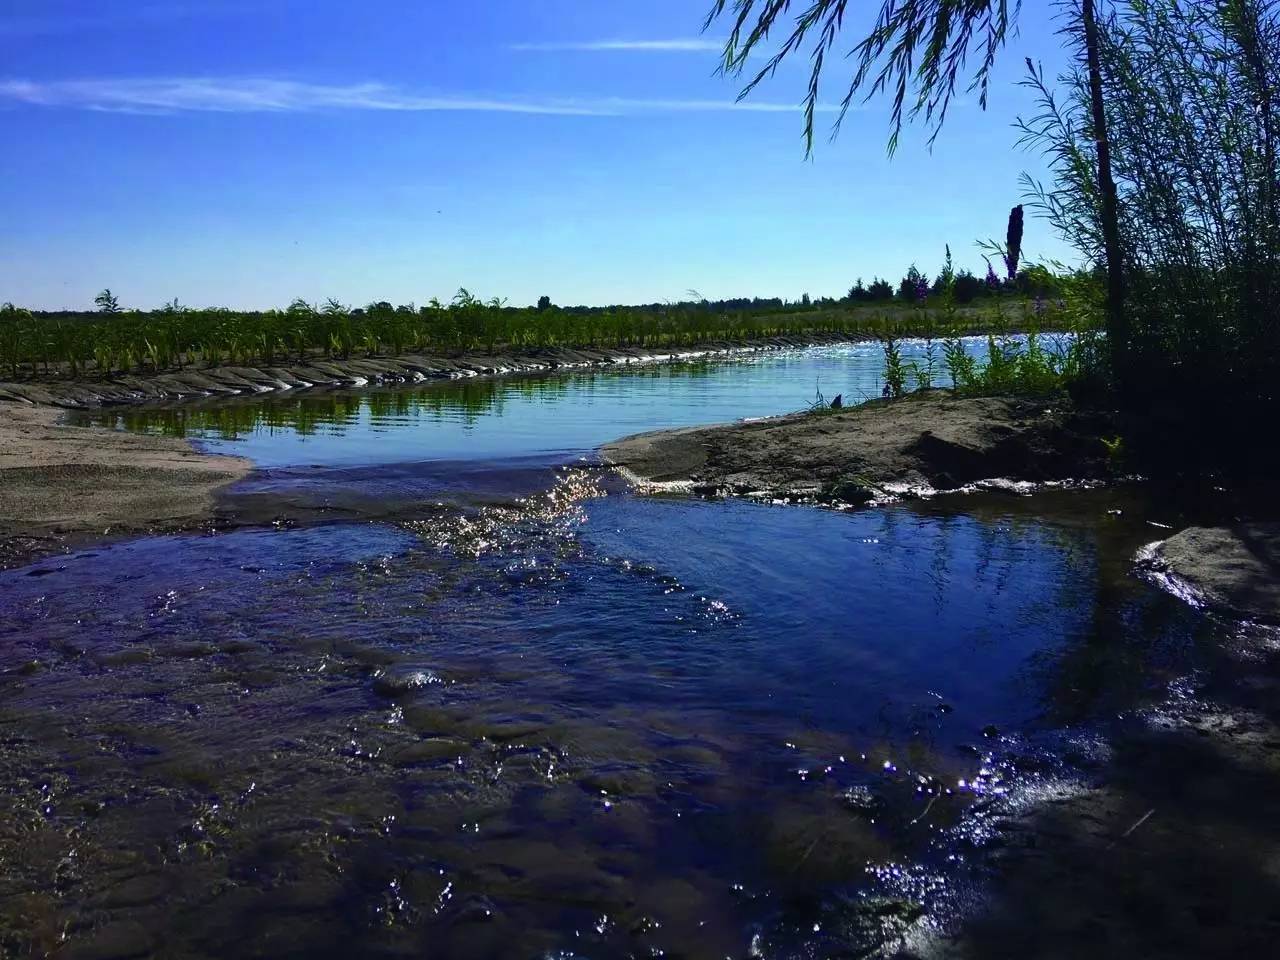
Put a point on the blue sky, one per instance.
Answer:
(245, 153)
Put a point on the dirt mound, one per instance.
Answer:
(927, 441)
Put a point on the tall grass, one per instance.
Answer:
(108, 344)
(1024, 364)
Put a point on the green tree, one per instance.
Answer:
(917, 49)
(914, 287)
(107, 302)
(1192, 92)
(879, 291)
(967, 287)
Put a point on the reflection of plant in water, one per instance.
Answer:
(1115, 451)
(469, 398)
(1131, 640)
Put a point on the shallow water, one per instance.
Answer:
(574, 722)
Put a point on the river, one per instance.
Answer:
(536, 714)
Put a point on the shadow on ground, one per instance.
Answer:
(1177, 855)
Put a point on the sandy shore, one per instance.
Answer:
(924, 442)
(61, 483)
(933, 442)
(1171, 854)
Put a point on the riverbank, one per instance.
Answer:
(1167, 844)
(932, 442)
(61, 484)
(924, 443)
(318, 373)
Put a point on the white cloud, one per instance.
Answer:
(167, 95)
(693, 45)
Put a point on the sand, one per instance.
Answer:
(1235, 569)
(924, 442)
(61, 482)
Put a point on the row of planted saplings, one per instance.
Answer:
(118, 342)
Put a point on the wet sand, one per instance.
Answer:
(1172, 853)
(61, 483)
(924, 442)
(1235, 569)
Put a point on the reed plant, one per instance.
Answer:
(1016, 358)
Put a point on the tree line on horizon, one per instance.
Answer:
(914, 287)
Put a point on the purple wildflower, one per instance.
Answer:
(993, 282)
(1039, 305)
(922, 289)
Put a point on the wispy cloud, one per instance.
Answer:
(686, 45)
(255, 95)
(161, 95)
